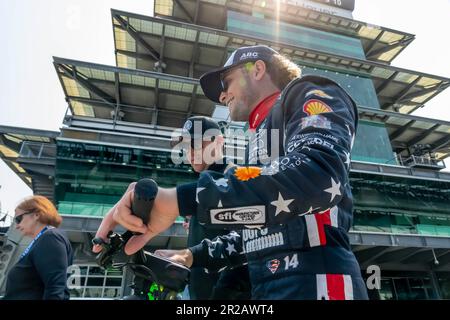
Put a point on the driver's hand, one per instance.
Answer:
(183, 256)
(119, 213)
(124, 216)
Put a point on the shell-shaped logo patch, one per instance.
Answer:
(247, 173)
(314, 106)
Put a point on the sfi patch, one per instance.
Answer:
(314, 106)
(252, 215)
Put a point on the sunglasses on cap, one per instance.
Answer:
(18, 219)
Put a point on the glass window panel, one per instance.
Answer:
(405, 77)
(76, 293)
(389, 55)
(96, 271)
(425, 82)
(82, 109)
(109, 75)
(135, 23)
(215, 39)
(152, 27)
(164, 7)
(13, 138)
(74, 89)
(176, 86)
(95, 282)
(124, 41)
(8, 152)
(444, 129)
(112, 293)
(423, 98)
(369, 32)
(298, 35)
(372, 144)
(423, 125)
(137, 80)
(237, 40)
(93, 293)
(114, 271)
(85, 71)
(98, 74)
(113, 282)
(390, 37)
(125, 78)
(149, 82)
(387, 290)
(360, 88)
(200, 91)
(222, 41)
(398, 121)
(406, 109)
(164, 84)
(18, 167)
(124, 61)
(191, 35)
(381, 72)
(188, 87)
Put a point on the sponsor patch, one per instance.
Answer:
(253, 215)
(315, 121)
(318, 93)
(249, 55)
(314, 106)
(273, 265)
(264, 242)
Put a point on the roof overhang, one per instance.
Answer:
(18, 146)
(137, 96)
(380, 44)
(149, 43)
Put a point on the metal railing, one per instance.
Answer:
(37, 150)
(422, 161)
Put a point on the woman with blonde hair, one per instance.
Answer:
(41, 271)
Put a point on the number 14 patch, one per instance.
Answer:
(289, 263)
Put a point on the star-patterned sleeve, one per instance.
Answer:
(312, 176)
(221, 253)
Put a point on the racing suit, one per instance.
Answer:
(231, 284)
(295, 207)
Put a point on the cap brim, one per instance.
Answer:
(212, 85)
(179, 139)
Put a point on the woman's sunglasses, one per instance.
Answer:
(18, 219)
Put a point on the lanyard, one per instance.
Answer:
(27, 250)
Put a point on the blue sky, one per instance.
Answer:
(37, 30)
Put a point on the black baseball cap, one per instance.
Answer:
(211, 82)
(195, 129)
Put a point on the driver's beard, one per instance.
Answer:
(241, 110)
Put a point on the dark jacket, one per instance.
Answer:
(300, 200)
(229, 285)
(42, 273)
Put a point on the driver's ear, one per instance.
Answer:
(260, 69)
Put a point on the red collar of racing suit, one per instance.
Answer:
(262, 110)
